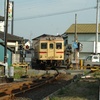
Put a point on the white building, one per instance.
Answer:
(86, 34)
(2, 26)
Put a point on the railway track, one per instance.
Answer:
(76, 79)
(8, 91)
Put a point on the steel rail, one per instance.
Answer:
(11, 90)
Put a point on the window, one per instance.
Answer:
(58, 45)
(95, 57)
(89, 58)
(43, 45)
(51, 46)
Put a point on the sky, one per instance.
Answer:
(33, 18)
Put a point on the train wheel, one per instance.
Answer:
(58, 63)
(42, 66)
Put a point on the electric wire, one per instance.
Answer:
(53, 14)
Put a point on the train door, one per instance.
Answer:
(59, 51)
(51, 50)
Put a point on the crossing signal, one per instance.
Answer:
(20, 47)
(69, 49)
(80, 46)
(26, 47)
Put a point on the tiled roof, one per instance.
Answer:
(10, 37)
(82, 28)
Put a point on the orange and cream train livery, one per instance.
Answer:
(49, 51)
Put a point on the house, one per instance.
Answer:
(86, 35)
(12, 47)
(1, 23)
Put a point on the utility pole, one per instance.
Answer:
(76, 40)
(97, 26)
(5, 35)
(12, 21)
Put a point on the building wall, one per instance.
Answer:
(87, 41)
(82, 37)
(15, 58)
(2, 26)
(2, 55)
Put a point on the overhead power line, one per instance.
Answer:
(53, 14)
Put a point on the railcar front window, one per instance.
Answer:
(51, 46)
(43, 45)
(58, 45)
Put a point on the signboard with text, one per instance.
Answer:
(10, 11)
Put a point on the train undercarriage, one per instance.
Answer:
(46, 64)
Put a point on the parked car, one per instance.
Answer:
(92, 60)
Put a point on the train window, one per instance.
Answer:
(58, 45)
(51, 46)
(43, 45)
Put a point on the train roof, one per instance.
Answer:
(43, 35)
(51, 38)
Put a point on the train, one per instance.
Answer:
(48, 52)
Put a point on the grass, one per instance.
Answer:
(81, 90)
(18, 72)
(1, 70)
(97, 74)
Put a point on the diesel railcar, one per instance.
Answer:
(49, 52)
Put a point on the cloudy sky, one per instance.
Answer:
(36, 17)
